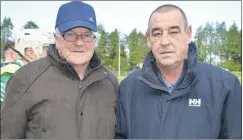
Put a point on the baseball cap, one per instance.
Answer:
(76, 14)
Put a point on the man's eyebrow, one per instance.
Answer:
(88, 32)
(174, 28)
(155, 29)
(170, 28)
(70, 31)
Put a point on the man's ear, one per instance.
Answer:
(94, 42)
(148, 39)
(189, 34)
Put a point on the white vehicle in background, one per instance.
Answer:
(34, 38)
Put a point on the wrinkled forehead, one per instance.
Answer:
(166, 19)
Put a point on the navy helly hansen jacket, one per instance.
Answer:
(206, 103)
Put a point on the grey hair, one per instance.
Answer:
(169, 6)
(57, 32)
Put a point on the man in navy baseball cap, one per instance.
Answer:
(76, 14)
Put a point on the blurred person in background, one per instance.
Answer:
(44, 49)
(12, 62)
(30, 54)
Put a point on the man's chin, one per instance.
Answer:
(76, 63)
(166, 64)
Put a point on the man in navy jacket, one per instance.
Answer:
(174, 95)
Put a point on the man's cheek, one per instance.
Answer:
(176, 39)
(175, 43)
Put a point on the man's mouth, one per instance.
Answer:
(166, 52)
(79, 51)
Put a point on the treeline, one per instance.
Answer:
(220, 46)
(216, 45)
(133, 48)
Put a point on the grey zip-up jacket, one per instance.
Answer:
(46, 100)
(204, 104)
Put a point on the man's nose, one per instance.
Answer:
(164, 40)
(79, 41)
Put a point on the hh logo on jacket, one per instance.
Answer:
(195, 102)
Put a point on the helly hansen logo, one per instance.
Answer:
(195, 102)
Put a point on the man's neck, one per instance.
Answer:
(81, 69)
(172, 73)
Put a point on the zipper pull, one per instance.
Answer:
(80, 85)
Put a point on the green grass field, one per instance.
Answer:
(120, 79)
(238, 74)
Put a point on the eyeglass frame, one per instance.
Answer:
(63, 34)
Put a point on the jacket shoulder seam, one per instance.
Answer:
(111, 82)
(109, 77)
(37, 76)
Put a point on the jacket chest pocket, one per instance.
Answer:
(41, 118)
(45, 121)
(48, 120)
(196, 121)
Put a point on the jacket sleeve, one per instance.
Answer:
(121, 128)
(13, 115)
(231, 115)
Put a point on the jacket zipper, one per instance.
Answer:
(80, 85)
(79, 129)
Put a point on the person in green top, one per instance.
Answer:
(9, 66)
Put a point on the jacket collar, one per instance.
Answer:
(61, 63)
(149, 68)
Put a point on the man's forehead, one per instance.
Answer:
(10, 49)
(28, 48)
(164, 18)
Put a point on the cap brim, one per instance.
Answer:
(63, 27)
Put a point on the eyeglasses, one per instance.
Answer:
(72, 36)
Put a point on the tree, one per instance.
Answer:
(31, 25)
(234, 46)
(221, 40)
(6, 31)
(144, 46)
(102, 47)
(108, 47)
(215, 42)
(113, 49)
(210, 41)
(138, 49)
(202, 49)
(124, 62)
